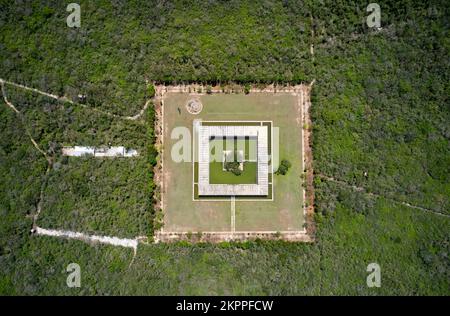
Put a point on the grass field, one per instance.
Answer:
(283, 213)
(219, 176)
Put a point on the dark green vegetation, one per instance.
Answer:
(21, 168)
(102, 196)
(385, 124)
(284, 167)
(54, 124)
(99, 196)
(234, 167)
(122, 43)
(380, 121)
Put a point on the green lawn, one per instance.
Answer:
(219, 176)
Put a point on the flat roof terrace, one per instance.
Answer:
(205, 133)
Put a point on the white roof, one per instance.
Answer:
(115, 151)
(204, 135)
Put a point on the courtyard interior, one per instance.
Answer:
(281, 211)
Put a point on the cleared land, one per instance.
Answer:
(284, 213)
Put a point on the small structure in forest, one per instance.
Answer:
(110, 151)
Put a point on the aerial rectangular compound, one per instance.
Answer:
(239, 133)
(223, 182)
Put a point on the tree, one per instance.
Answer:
(284, 167)
(247, 88)
(233, 167)
(151, 90)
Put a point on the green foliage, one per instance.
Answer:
(120, 43)
(247, 88)
(95, 196)
(284, 167)
(379, 107)
(151, 91)
(99, 196)
(370, 129)
(233, 166)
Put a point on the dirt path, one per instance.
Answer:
(6, 99)
(233, 214)
(141, 112)
(65, 99)
(364, 190)
(21, 117)
(311, 47)
(111, 240)
(49, 159)
(41, 196)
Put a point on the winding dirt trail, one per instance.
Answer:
(364, 190)
(65, 99)
(111, 240)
